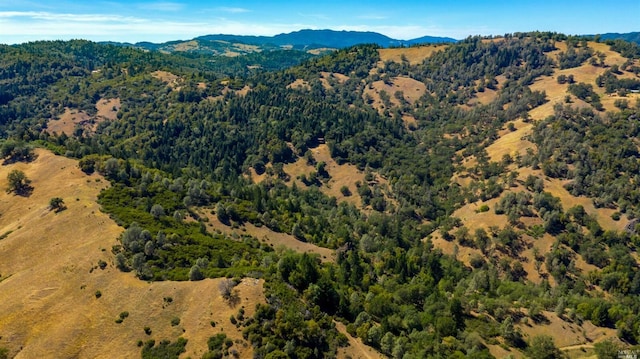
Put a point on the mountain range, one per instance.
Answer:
(312, 41)
(305, 40)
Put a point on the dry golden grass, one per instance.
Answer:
(173, 81)
(341, 175)
(108, 108)
(415, 55)
(186, 46)
(555, 187)
(411, 90)
(107, 111)
(567, 334)
(266, 235)
(510, 143)
(585, 73)
(320, 51)
(67, 122)
(49, 278)
(325, 78)
(299, 84)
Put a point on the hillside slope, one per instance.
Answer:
(50, 277)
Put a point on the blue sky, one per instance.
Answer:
(158, 21)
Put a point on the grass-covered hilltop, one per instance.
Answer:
(474, 199)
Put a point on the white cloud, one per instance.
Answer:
(162, 6)
(21, 26)
(18, 27)
(56, 17)
(233, 10)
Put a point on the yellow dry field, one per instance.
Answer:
(266, 235)
(566, 334)
(186, 46)
(576, 341)
(338, 76)
(67, 122)
(341, 175)
(49, 277)
(555, 187)
(170, 79)
(243, 91)
(415, 55)
(327, 77)
(585, 73)
(299, 84)
(409, 120)
(411, 90)
(511, 143)
(485, 97)
(108, 108)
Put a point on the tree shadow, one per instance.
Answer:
(234, 299)
(19, 158)
(24, 191)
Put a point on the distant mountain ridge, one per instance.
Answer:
(630, 36)
(312, 41)
(304, 40)
(327, 38)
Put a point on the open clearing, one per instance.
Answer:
(266, 235)
(410, 89)
(415, 55)
(107, 110)
(585, 73)
(67, 122)
(511, 142)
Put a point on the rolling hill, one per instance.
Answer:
(473, 199)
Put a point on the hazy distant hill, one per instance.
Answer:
(305, 40)
(631, 36)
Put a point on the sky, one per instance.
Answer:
(160, 21)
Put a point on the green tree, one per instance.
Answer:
(157, 211)
(542, 347)
(608, 349)
(18, 183)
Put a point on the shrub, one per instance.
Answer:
(98, 294)
(175, 321)
(57, 204)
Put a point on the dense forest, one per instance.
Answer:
(175, 152)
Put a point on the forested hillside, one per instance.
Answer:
(487, 202)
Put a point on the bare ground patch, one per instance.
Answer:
(67, 122)
(108, 108)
